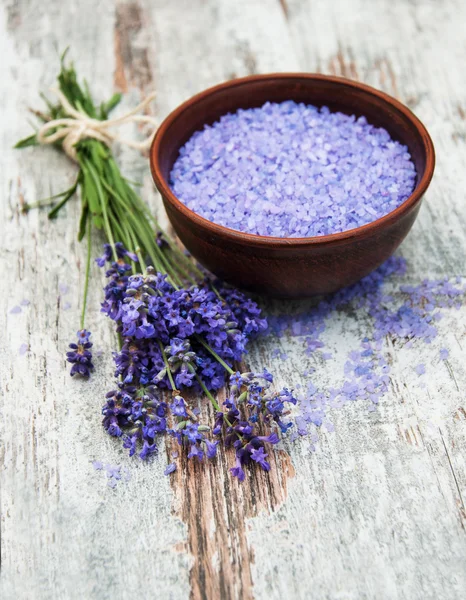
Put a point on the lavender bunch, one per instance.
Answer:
(180, 332)
(186, 338)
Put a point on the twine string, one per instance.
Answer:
(79, 126)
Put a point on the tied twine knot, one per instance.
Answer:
(80, 126)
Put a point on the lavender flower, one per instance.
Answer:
(137, 415)
(80, 356)
(252, 405)
(121, 253)
(148, 310)
(171, 337)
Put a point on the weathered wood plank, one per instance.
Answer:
(65, 533)
(378, 510)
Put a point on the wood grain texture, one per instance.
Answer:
(378, 510)
(216, 509)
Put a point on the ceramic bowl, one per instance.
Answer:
(291, 267)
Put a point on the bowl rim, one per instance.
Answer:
(263, 241)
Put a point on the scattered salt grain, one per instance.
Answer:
(420, 369)
(409, 312)
(291, 170)
(444, 353)
(113, 472)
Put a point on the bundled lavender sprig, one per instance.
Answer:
(179, 338)
(179, 331)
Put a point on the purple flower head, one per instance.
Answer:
(196, 452)
(266, 375)
(80, 356)
(130, 442)
(287, 396)
(83, 336)
(259, 455)
(191, 433)
(114, 429)
(184, 378)
(211, 448)
(160, 240)
(237, 470)
(270, 439)
(219, 417)
(178, 346)
(120, 251)
(147, 450)
(236, 379)
(244, 428)
(178, 407)
(106, 256)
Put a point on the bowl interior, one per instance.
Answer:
(336, 93)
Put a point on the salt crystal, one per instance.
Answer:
(303, 171)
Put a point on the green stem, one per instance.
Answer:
(182, 270)
(88, 270)
(103, 204)
(137, 226)
(123, 237)
(212, 400)
(169, 268)
(215, 355)
(39, 204)
(67, 195)
(165, 360)
(137, 249)
(179, 253)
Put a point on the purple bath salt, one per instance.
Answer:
(292, 170)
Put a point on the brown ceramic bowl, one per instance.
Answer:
(291, 267)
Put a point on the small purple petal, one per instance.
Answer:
(170, 468)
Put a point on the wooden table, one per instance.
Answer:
(377, 511)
